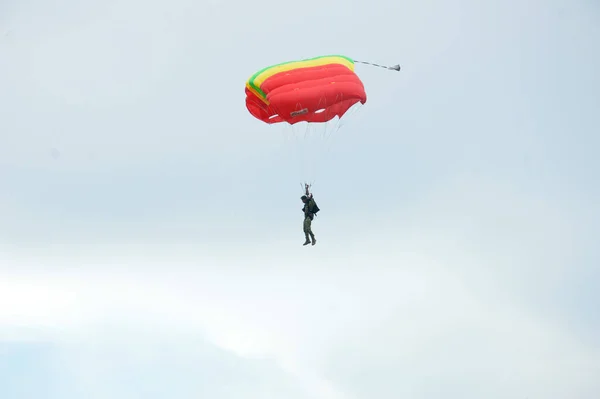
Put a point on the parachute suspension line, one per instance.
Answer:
(317, 153)
(291, 143)
(392, 68)
(306, 149)
(313, 143)
(300, 133)
(337, 124)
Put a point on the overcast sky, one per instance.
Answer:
(151, 232)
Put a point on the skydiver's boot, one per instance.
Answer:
(307, 240)
(314, 240)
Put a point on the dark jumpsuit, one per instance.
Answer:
(308, 217)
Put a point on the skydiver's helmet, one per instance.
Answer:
(304, 198)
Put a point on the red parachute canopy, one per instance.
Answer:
(312, 90)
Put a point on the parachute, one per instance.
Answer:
(312, 90)
(314, 93)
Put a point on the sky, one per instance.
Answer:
(151, 229)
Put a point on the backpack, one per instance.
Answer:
(314, 208)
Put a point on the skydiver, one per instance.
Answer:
(310, 209)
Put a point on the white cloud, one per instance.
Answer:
(419, 295)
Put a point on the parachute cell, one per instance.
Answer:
(311, 90)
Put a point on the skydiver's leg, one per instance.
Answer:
(307, 230)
